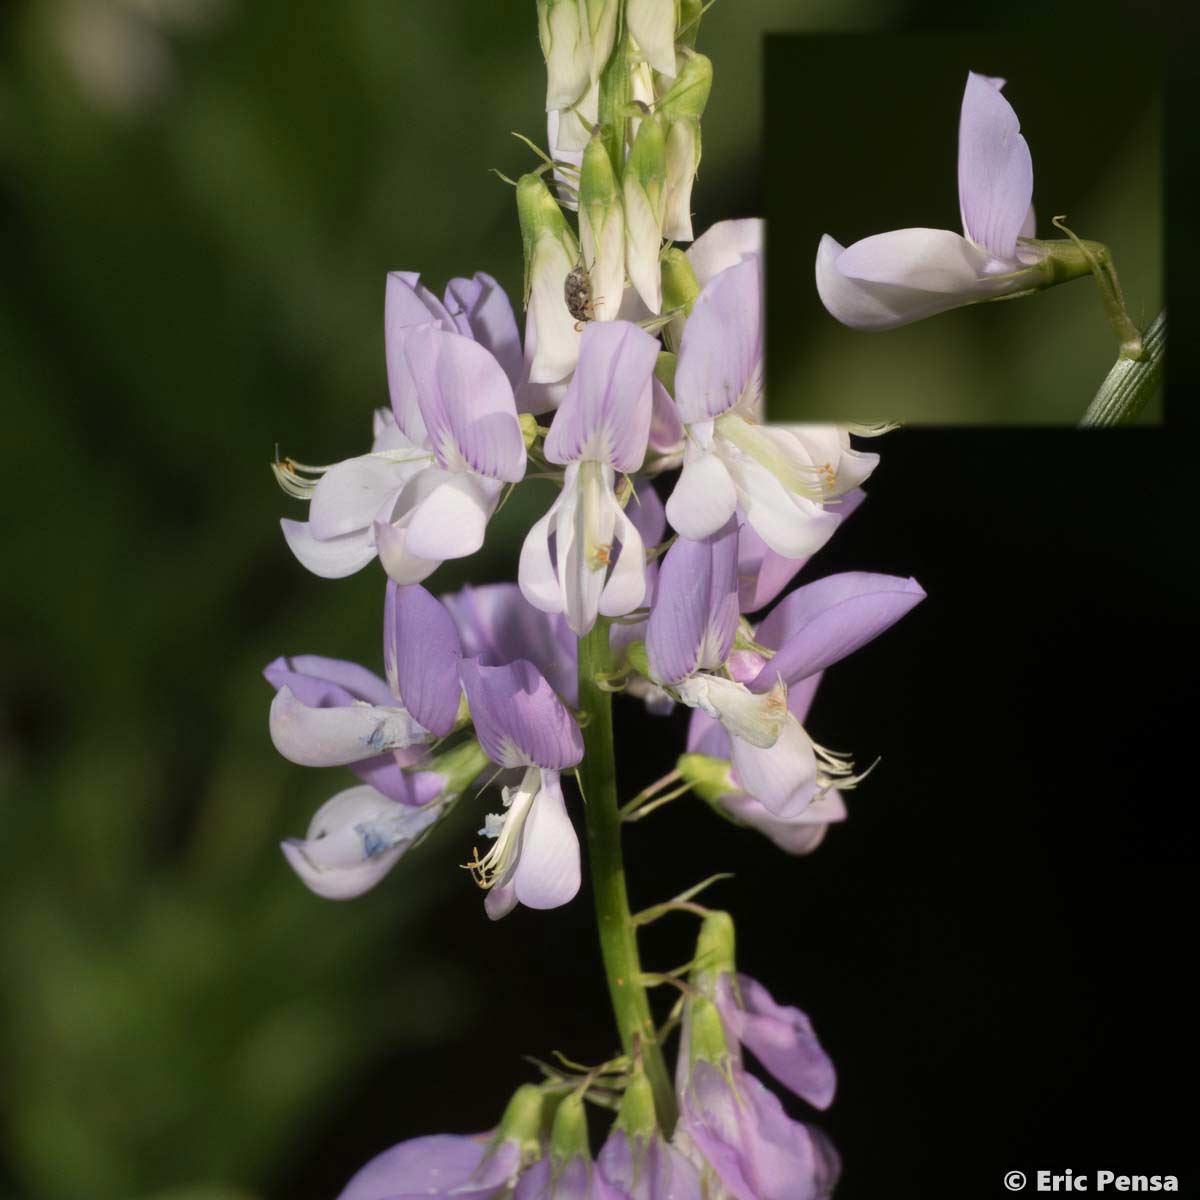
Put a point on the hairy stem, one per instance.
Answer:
(1131, 383)
(618, 939)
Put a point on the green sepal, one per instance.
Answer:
(688, 95)
(664, 367)
(523, 1122)
(680, 287)
(648, 159)
(706, 1033)
(569, 1133)
(710, 778)
(459, 766)
(598, 185)
(540, 217)
(715, 946)
(636, 1115)
(637, 658)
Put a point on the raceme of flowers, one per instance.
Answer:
(680, 522)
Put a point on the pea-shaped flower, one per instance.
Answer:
(585, 556)
(894, 278)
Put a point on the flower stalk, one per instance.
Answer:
(618, 938)
(1131, 383)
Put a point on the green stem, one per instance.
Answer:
(1131, 383)
(618, 938)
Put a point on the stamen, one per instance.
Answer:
(296, 478)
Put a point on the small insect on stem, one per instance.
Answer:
(577, 292)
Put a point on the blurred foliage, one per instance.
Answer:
(199, 201)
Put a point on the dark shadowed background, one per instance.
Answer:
(198, 202)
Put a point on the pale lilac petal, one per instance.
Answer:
(420, 653)
(704, 497)
(652, 24)
(387, 775)
(548, 874)
(398, 561)
(407, 303)
(330, 737)
(350, 495)
(551, 333)
(536, 575)
(995, 169)
(721, 354)
(780, 1037)
(439, 1166)
(790, 524)
(800, 834)
(500, 899)
(323, 682)
(928, 260)
(823, 622)
(466, 402)
(724, 245)
(695, 614)
(480, 309)
(497, 625)
(646, 511)
(741, 1129)
(782, 778)
(896, 278)
(334, 558)
(1029, 225)
(605, 414)
(518, 718)
(354, 839)
(706, 735)
(450, 519)
(666, 427)
(657, 1172)
(626, 586)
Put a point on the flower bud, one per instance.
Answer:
(563, 33)
(644, 187)
(602, 230)
(682, 107)
(551, 253)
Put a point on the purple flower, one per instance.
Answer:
(741, 1134)
(779, 477)
(779, 1036)
(730, 1124)
(498, 625)
(894, 278)
(646, 1168)
(451, 1165)
(690, 637)
(443, 1165)
(520, 722)
(328, 712)
(585, 556)
(355, 839)
(437, 467)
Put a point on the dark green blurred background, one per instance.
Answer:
(862, 138)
